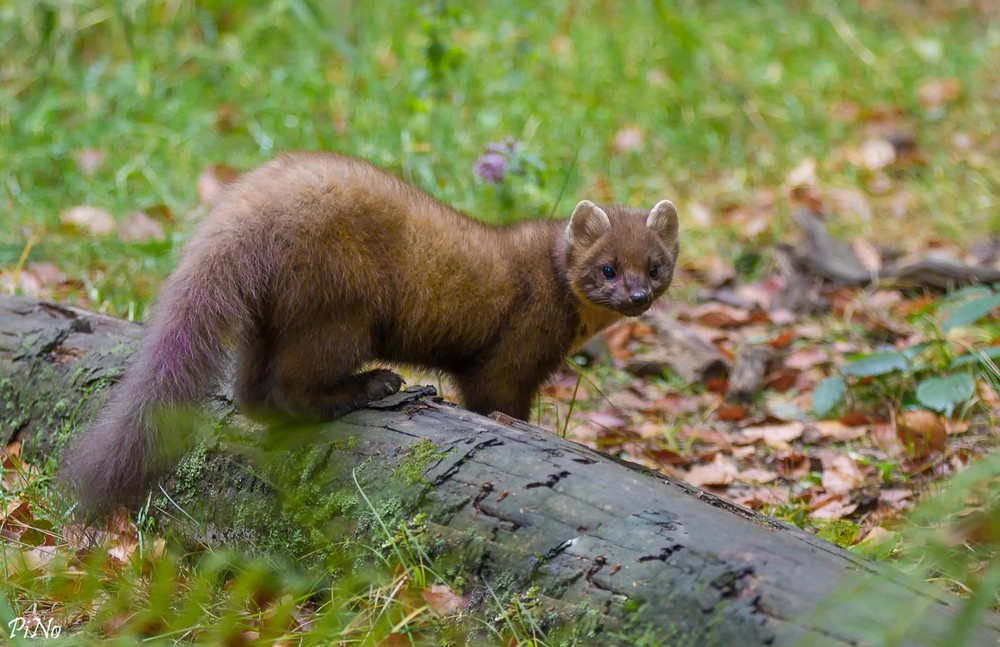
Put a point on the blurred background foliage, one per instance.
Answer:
(712, 104)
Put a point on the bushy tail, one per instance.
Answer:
(184, 351)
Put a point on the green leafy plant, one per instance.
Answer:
(939, 374)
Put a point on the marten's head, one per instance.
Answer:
(621, 258)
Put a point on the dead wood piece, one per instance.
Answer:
(942, 272)
(801, 293)
(749, 369)
(834, 261)
(829, 258)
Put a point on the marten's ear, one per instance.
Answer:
(663, 220)
(588, 223)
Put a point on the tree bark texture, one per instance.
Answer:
(623, 551)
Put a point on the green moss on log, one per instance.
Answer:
(411, 468)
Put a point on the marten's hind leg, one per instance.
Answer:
(314, 371)
(254, 374)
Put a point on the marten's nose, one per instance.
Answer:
(639, 297)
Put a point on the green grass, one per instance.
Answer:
(729, 98)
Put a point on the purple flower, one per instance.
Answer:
(491, 167)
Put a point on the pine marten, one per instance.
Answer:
(315, 264)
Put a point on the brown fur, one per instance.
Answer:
(313, 265)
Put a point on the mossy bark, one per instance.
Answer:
(604, 546)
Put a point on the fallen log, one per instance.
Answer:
(635, 554)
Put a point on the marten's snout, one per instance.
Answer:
(641, 297)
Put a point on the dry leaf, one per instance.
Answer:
(712, 437)
(82, 538)
(15, 474)
(629, 138)
(955, 427)
(884, 434)
(122, 550)
(214, 180)
(88, 160)
(876, 154)
(782, 339)
(159, 547)
(731, 412)
(921, 432)
(853, 418)
(628, 400)
(803, 175)
(782, 379)
(675, 404)
(896, 498)
(560, 388)
(657, 77)
(720, 471)
(720, 385)
(846, 111)
(801, 186)
(757, 475)
(878, 534)
(120, 524)
(777, 436)
(850, 203)
(16, 511)
(760, 497)
(561, 45)
(620, 336)
(752, 222)
(137, 227)
(47, 274)
(760, 294)
(832, 506)
(606, 418)
(10, 453)
(442, 599)
(709, 270)
(840, 473)
(988, 395)
(24, 282)
(96, 221)
(114, 624)
(718, 315)
(698, 214)
(37, 557)
(793, 465)
(600, 187)
(662, 456)
(805, 358)
(838, 431)
(227, 116)
(937, 92)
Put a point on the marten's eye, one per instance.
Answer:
(654, 271)
(608, 272)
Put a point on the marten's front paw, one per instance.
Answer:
(382, 383)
